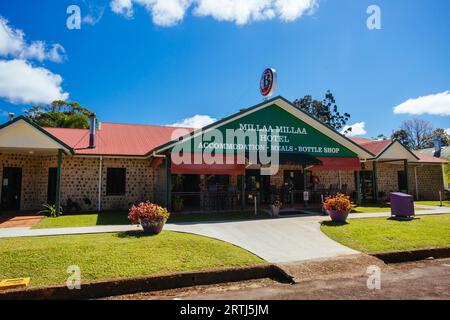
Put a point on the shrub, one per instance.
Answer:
(147, 211)
(50, 210)
(340, 202)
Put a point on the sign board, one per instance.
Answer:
(268, 82)
(272, 123)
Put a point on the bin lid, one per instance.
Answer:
(401, 194)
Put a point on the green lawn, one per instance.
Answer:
(433, 203)
(84, 220)
(108, 256)
(382, 234)
(371, 209)
(120, 218)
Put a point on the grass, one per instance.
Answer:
(371, 209)
(84, 220)
(433, 203)
(120, 218)
(383, 235)
(118, 255)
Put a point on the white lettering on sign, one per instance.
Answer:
(279, 129)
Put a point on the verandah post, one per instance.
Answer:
(168, 182)
(243, 192)
(375, 182)
(405, 164)
(58, 184)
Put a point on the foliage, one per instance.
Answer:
(380, 137)
(50, 210)
(401, 136)
(445, 137)
(325, 110)
(60, 114)
(72, 206)
(339, 202)
(148, 211)
(416, 134)
(277, 203)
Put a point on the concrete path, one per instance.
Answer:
(276, 241)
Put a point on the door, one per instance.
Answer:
(367, 185)
(51, 187)
(11, 186)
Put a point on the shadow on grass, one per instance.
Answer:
(108, 218)
(134, 234)
(403, 219)
(334, 224)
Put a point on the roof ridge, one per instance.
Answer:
(145, 125)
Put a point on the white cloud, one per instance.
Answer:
(197, 121)
(164, 12)
(13, 44)
(435, 104)
(94, 15)
(171, 12)
(447, 131)
(20, 82)
(357, 129)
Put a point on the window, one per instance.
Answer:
(115, 181)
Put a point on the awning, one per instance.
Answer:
(228, 165)
(337, 164)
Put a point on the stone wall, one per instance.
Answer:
(79, 180)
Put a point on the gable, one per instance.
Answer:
(299, 133)
(22, 135)
(396, 150)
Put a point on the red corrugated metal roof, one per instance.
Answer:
(424, 158)
(376, 147)
(117, 139)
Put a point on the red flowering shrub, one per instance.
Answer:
(340, 202)
(147, 211)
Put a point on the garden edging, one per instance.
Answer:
(150, 283)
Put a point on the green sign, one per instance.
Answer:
(269, 129)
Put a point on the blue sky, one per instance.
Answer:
(137, 69)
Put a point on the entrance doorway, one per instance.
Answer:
(255, 182)
(51, 187)
(11, 187)
(367, 185)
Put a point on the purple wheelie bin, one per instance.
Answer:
(402, 205)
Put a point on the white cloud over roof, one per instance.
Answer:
(357, 129)
(197, 121)
(20, 82)
(435, 104)
(171, 12)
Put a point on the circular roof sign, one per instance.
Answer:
(268, 82)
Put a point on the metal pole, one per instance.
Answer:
(168, 182)
(58, 184)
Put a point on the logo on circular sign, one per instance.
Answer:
(268, 82)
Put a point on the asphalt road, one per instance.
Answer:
(410, 281)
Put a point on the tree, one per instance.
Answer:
(380, 137)
(445, 137)
(60, 114)
(325, 110)
(401, 136)
(419, 133)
